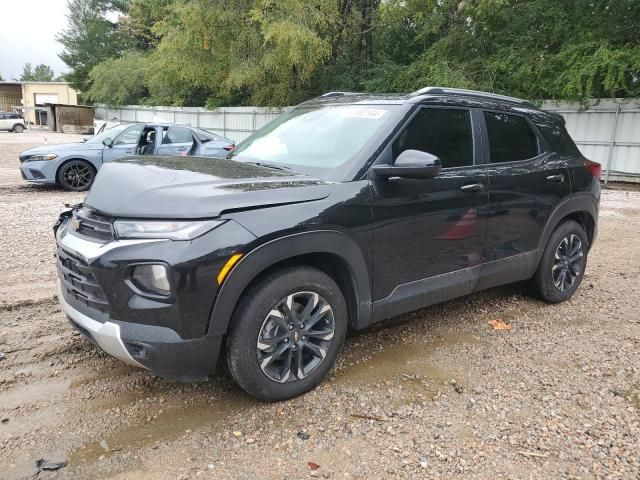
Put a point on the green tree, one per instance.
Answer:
(538, 49)
(278, 52)
(119, 81)
(39, 73)
(91, 37)
(139, 23)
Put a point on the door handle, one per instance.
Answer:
(473, 188)
(556, 178)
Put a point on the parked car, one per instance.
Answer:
(74, 166)
(348, 210)
(12, 122)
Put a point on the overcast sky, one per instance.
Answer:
(28, 34)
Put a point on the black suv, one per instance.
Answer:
(347, 210)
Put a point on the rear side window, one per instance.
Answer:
(510, 138)
(177, 135)
(445, 133)
(559, 140)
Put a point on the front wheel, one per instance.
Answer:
(76, 175)
(18, 128)
(563, 263)
(286, 333)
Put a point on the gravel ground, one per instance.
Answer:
(434, 394)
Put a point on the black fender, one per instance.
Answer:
(283, 248)
(576, 203)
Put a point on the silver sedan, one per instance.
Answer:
(74, 166)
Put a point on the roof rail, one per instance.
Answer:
(337, 94)
(469, 93)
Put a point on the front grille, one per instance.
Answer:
(78, 281)
(92, 224)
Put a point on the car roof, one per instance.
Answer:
(436, 95)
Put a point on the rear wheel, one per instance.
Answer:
(76, 175)
(18, 128)
(563, 263)
(287, 332)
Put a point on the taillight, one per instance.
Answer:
(594, 168)
(228, 148)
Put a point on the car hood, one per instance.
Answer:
(194, 187)
(61, 148)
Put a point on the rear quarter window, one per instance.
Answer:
(558, 139)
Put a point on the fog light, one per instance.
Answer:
(152, 278)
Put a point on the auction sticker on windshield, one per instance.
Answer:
(371, 113)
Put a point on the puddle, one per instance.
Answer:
(409, 361)
(167, 425)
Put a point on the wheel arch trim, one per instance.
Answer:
(281, 249)
(576, 203)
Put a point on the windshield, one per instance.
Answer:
(111, 133)
(316, 140)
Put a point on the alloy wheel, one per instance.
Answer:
(78, 175)
(567, 262)
(295, 336)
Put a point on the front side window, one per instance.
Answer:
(129, 136)
(510, 138)
(443, 132)
(177, 135)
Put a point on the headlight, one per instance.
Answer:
(44, 156)
(168, 230)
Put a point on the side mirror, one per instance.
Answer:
(411, 164)
(107, 142)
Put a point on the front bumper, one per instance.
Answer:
(171, 339)
(40, 171)
(105, 335)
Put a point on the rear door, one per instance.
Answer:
(177, 141)
(5, 122)
(527, 181)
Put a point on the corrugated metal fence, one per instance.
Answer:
(234, 123)
(608, 133)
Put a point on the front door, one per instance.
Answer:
(429, 233)
(527, 181)
(124, 144)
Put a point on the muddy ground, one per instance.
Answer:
(434, 394)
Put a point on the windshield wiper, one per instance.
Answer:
(272, 165)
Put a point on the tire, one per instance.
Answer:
(18, 128)
(76, 175)
(563, 263)
(261, 319)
